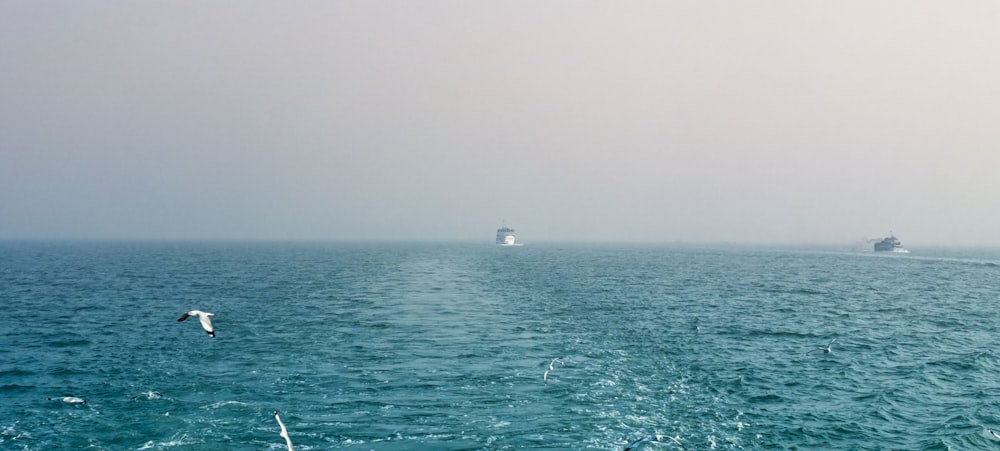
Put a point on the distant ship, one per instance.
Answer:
(890, 244)
(506, 237)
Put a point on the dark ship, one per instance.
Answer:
(890, 244)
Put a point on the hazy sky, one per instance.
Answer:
(750, 121)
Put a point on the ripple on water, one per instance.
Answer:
(443, 347)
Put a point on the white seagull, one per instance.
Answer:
(284, 432)
(70, 399)
(206, 322)
(545, 376)
(826, 350)
(994, 434)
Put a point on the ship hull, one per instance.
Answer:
(890, 244)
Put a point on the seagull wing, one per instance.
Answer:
(184, 317)
(206, 323)
(284, 432)
(634, 444)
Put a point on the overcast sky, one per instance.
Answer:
(692, 121)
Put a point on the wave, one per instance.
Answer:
(671, 342)
(71, 343)
(16, 372)
(221, 404)
(16, 388)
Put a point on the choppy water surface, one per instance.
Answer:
(443, 346)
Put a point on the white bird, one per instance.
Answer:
(70, 399)
(826, 349)
(206, 322)
(284, 432)
(545, 376)
(994, 434)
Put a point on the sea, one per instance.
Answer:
(468, 346)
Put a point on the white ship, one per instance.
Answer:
(506, 237)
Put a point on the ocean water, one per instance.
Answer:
(391, 346)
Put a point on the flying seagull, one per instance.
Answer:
(284, 432)
(545, 376)
(70, 399)
(993, 433)
(206, 322)
(826, 349)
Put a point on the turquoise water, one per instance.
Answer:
(443, 346)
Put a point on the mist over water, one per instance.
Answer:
(443, 346)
